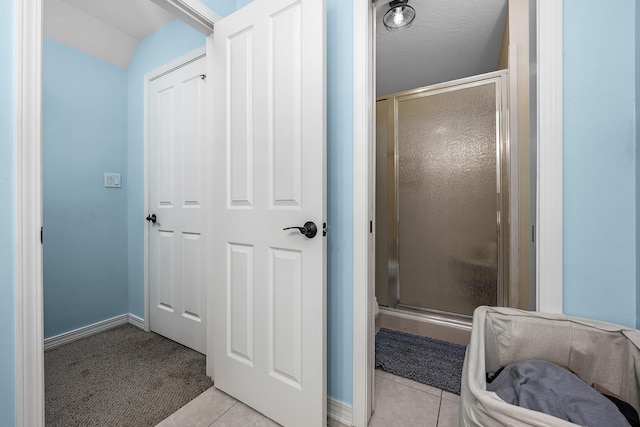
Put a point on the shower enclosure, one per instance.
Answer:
(442, 200)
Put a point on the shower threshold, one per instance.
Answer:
(438, 315)
(450, 327)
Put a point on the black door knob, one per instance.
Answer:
(152, 218)
(309, 229)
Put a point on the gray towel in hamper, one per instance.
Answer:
(545, 387)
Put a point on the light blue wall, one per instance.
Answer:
(637, 106)
(221, 7)
(85, 224)
(340, 200)
(164, 45)
(241, 3)
(600, 160)
(7, 215)
(225, 7)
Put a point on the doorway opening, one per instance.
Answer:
(539, 90)
(87, 133)
(430, 262)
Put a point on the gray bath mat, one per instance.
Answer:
(426, 360)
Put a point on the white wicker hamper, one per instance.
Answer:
(598, 352)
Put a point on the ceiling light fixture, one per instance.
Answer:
(399, 16)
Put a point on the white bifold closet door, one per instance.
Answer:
(176, 156)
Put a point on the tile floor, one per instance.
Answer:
(403, 402)
(399, 402)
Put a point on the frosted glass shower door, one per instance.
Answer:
(447, 188)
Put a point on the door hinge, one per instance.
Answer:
(370, 226)
(41, 235)
(533, 233)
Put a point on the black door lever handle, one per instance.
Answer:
(309, 229)
(152, 218)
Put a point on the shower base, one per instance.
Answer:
(441, 327)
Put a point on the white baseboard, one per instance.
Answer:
(136, 321)
(85, 331)
(339, 413)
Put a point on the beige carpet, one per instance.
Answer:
(120, 377)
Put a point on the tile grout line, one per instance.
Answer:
(223, 414)
(439, 410)
(454, 400)
(439, 394)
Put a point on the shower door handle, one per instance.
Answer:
(309, 229)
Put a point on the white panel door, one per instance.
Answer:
(176, 155)
(269, 304)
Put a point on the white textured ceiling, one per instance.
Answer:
(448, 40)
(107, 29)
(138, 18)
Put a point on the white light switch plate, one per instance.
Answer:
(112, 180)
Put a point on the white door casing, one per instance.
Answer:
(177, 197)
(268, 343)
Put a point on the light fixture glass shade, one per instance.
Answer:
(399, 16)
